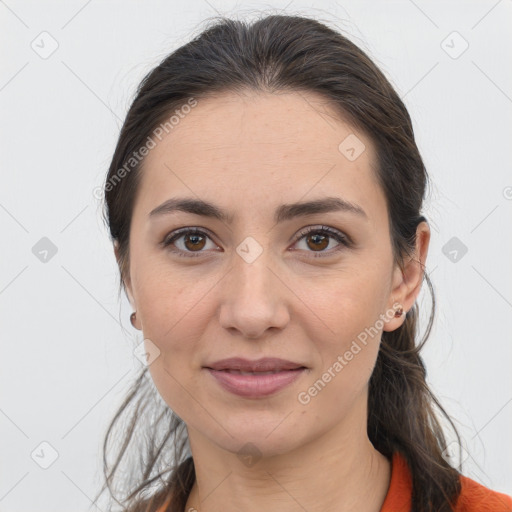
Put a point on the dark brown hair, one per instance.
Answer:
(284, 53)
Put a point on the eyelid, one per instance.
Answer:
(333, 232)
(173, 235)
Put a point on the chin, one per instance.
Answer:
(263, 438)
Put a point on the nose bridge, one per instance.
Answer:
(252, 276)
(253, 299)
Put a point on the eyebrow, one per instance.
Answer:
(282, 213)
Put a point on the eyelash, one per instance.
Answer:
(343, 240)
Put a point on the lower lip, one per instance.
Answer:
(253, 386)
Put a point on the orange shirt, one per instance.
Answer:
(473, 497)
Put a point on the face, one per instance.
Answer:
(257, 284)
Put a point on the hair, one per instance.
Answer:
(281, 53)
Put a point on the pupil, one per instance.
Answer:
(316, 241)
(195, 240)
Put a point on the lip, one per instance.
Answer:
(254, 385)
(257, 384)
(264, 364)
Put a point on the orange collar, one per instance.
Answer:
(474, 497)
(398, 498)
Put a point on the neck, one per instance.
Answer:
(341, 471)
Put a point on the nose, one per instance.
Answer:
(254, 298)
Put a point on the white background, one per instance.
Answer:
(66, 359)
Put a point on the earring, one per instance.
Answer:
(132, 318)
(399, 312)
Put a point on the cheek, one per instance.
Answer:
(167, 298)
(346, 364)
(347, 329)
(172, 387)
(173, 317)
(176, 331)
(346, 304)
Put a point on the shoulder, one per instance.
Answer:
(475, 497)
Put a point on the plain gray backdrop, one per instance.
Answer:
(69, 71)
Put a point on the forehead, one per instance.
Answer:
(262, 149)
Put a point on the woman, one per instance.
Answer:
(264, 201)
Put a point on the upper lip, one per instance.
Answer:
(264, 364)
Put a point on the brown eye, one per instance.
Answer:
(187, 242)
(318, 239)
(319, 242)
(194, 242)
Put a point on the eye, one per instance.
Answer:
(193, 242)
(319, 239)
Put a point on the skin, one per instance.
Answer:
(249, 153)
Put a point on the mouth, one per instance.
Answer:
(265, 365)
(270, 372)
(255, 378)
(255, 384)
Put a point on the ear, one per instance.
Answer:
(407, 281)
(126, 279)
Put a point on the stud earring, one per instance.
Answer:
(132, 318)
(399, 312)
